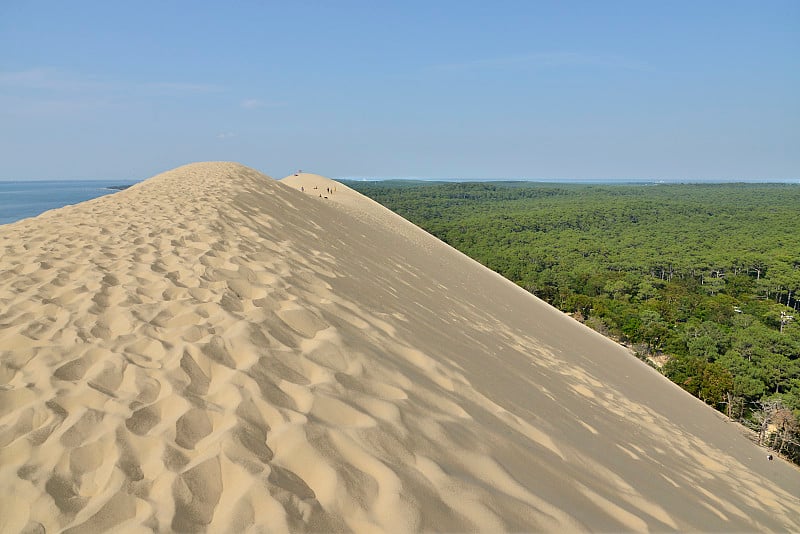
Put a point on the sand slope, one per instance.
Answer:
(214, 350)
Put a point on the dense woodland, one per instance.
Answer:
(701, 280)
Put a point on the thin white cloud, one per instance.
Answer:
(46, 91)
(226, 135)
(182, 87)
(49, 79)
(547, 59)
(26, 106)
(256, 103)
(252, 103)
(46, 78)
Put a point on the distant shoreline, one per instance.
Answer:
(24, 199)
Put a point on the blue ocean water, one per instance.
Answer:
(20, 200)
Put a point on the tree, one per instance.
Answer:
(646, 290)
(764, 417)
(686, 371)
(778, 370)
(617, 288)
(653, 329)
(787, 427)
(778, 427)
(716, 383)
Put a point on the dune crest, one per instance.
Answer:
(213, 350)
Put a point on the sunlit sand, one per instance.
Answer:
(213, 350)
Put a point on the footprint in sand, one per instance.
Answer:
(107, 381)
(197, 493)
(83, 429)
(112, 325)
(143, 420)
(371, 387)
(146, 353)
(337, 413)
(300, 320)
(199, 380)
(246, 290)
(191, 427)
(65, 494)
(72, 370)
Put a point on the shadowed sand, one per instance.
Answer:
(212, 350)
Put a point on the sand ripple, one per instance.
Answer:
(212, 350)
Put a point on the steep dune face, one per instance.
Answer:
(214, 350)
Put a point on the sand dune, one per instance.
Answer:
(212, 350)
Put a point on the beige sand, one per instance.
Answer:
(214, 350)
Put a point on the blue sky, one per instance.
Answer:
(434, 89)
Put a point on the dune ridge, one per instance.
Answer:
(213, 350)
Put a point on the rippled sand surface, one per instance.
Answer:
(213, 350)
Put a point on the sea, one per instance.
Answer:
(20, 200)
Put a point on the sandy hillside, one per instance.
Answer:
(214, 350)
